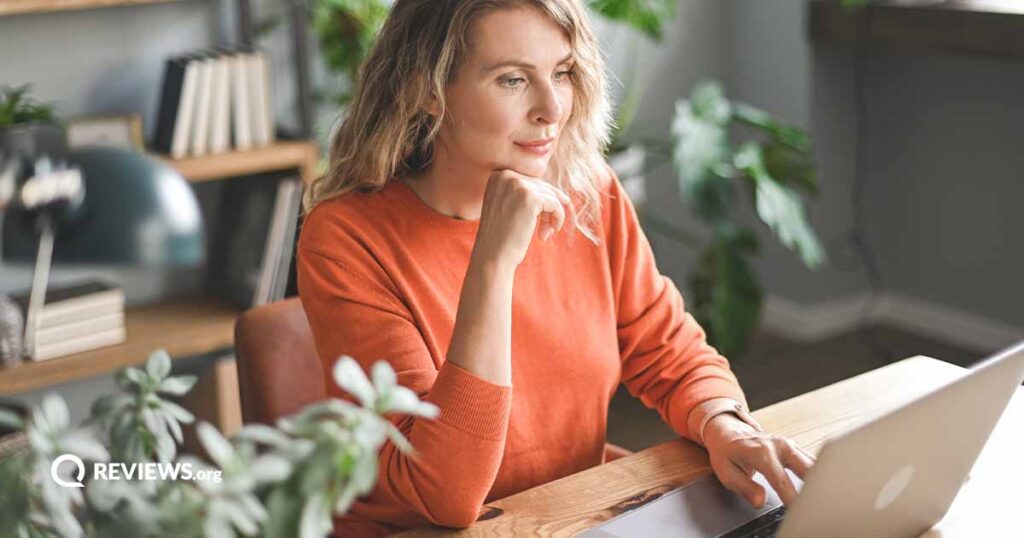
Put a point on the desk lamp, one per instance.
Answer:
(107, 205)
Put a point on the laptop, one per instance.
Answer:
(895, 475)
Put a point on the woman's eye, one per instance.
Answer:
(562, 75)
(513, 82)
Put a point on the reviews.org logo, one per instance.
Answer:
(127, 471)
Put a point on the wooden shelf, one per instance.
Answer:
(300, 155)
(992, 27)
(22, 7)
(183, 328)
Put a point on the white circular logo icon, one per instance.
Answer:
(894, 487)
(79, 475)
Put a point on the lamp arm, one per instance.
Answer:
(40, 280)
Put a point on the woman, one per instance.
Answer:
(469, 233)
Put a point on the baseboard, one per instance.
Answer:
(807, 323)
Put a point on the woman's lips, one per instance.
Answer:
(537, 147)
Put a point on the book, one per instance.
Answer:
(239, 238)
(261, 120)
(287, 254)
(170, 101)
(78, 345)
(186, 109)
(278, 242)
(76, 329)
(240, 109)
(74, 302)
(220, 111)
(201, 121)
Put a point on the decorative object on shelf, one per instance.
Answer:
(278, 481)
(114, 206)
(775, 167)
(118, 131)
(12, 327)
(29, 130)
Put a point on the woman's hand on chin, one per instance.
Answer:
(514, 206)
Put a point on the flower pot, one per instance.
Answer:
(29, 141)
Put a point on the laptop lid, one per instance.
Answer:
(898, 474)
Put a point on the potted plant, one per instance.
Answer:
(28, 128)
(281, 481)
(772, 167)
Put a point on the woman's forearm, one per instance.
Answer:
(482, 337)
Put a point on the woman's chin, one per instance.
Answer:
(531, 167)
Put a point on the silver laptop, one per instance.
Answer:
(895, 476)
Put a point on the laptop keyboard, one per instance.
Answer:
(765, 526)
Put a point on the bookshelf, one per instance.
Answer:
(184, 328)
(287, 155)
(22, 7)
(200, 325)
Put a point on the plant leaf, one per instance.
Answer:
(351, 378)
(216, 445)
(177, 385)
(700, 151)
(646, 16)
(780, 207)
(158, 365)
(11, 420)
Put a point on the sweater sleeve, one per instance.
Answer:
(458, 454)
(666, 360)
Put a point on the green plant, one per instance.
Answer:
(265, 481)
(774, 166)
(346, 30)
(648, 17)
(16, 107)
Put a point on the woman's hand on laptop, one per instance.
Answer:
(737, 450)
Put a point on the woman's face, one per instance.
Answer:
(512, 96)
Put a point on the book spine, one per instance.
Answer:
(220, 112)
(170, 100)
(185, 113)
(81, 345)
(262, 117)
(201, 129)
(240, 101)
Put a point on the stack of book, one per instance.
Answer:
(76, 318)
(212, 102)
(250, 261)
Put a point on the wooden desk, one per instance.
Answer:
(988, 505)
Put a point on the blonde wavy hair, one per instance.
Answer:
(387, 132)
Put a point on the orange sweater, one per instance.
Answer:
(380, 276)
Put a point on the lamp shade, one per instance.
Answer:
(136, 210)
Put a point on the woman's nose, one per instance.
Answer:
(547, 109)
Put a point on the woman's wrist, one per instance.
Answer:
(723, 427)
(490, 269)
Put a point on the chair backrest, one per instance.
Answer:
(279, 371)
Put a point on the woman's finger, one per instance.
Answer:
(739, 482)
(553, 207)
(768, 464)
(795, 458)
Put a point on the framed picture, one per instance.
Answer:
(120, 131)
